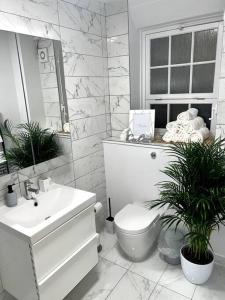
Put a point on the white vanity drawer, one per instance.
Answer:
(58, 284)
(56, 247)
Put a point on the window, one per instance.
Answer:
(165, 113)
(180, 67)
(182, 62)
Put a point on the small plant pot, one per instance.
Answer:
(196, 273)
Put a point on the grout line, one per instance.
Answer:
(85, 137)
(86, 32)
(84, 54)
(194, 292)
(100, 150)
(118, 13)
(116, 35)
(114, 263)
(69, 99)
(91, 11)
(86, 117)
(116, 285)
(165, 287)
(30, 19)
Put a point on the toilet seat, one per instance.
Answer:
(135, 219)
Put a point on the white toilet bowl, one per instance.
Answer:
(137, 229)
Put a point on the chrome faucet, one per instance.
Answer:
(29, 191)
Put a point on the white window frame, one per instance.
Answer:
(169, 31)
(214, 21)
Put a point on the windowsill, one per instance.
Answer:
(157, 141)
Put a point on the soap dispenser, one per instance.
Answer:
(11, 197)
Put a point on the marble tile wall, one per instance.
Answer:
(118, 64)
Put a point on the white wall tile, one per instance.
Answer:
(103, 25)
(87, 146)
(52, 110)
(220, 131)
(88, 164)
(86, 107)
(116, 6)
(89, 126)
(90, 181)
(40, 10)
(83, 87)
(29, 26)
(118, 45)
(117, 24)
(118, 66)
(83, 65)
(120, 104)
(48, 80)
(50, 95)
(8, 179)
(81, 42)
(119, 85)
(119, 121)
(75, 17)
(91, 5)
(48, 66)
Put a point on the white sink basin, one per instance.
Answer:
(54, 208)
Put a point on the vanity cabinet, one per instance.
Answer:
(133, 172)
(51, 267)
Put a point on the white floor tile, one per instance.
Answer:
(214, 288)
(107, 241)
(132, 287)
(98, 283)
(162, 293)
(116, 256)
(151, 268)
(173, 279)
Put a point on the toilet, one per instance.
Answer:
(137, 229)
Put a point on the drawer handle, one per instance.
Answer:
(153, 155)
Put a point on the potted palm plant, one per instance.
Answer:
(195, 193)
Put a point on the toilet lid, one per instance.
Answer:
(133, 219)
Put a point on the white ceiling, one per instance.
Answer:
(145, 13)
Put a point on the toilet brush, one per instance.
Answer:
(110, 220)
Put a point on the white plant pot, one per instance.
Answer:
(195, 273)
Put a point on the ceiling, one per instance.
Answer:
(146, 13)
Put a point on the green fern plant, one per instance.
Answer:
(195, 192)
(28, 144)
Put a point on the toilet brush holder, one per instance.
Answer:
(109, 222)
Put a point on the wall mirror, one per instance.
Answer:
(33, 106)
(175, 58)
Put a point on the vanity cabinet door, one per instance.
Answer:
(60, 282)
(56, 247)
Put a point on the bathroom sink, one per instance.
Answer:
(54, 207)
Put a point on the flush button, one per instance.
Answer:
(153, 155)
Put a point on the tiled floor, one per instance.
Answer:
(116, 278)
